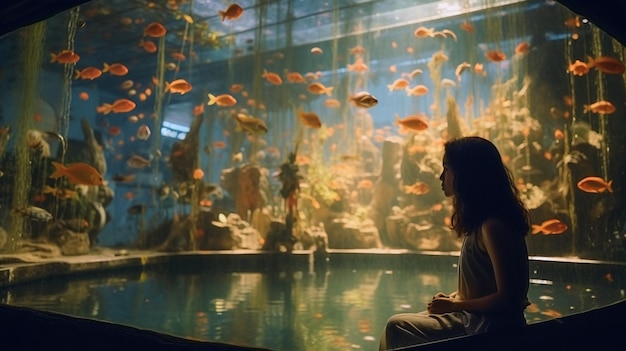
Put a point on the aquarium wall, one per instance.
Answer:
(284, 125)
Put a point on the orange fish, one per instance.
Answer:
(272, 77)
(573, 22)
(479, 68)
(595, 185)
(603, 107)
(365, 184)
(522, 48)
(179, 56)
(90, 73)
(77, 173)
(219, 144)
(423, 32)
(415, 123)
(495, 55)
(83, 96)
(155, 30)
(398, 84)
(417, 90)
(116, 69)
(358, 66)
(235, 88)
(606, 64)
(419, 188)
(552, 226)
(467, 26)
(319, 88)
(310, 119)
(295, 77)
(180, 86)
(332, 103)
(119, 106)
(114, 131)
(317, 51)
(233, 11)
(223, 100)
(65, 56)
(148, 45)
(198, 110)
(578, 68)
(198, 174)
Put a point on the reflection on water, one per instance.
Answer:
(336, 309)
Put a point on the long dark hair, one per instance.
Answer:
(483, 187)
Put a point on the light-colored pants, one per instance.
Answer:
(408, 329)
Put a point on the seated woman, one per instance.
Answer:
(493, 268)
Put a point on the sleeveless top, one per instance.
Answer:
(476, 279)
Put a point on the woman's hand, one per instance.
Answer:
(443, 304)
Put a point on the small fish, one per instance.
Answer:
(467, 26)
(414, 74)
(522, 48)
(447, 83)
(310, 119)
(148, 45)
(233, 11)
(119, 106)
(116, 69)
(127, 84)
(319, 88)
(461, 68)
(358, 66)
(595, 185)
(138, 162)
(495, 55)
(272, 78)
(155, 30)
(415, 123)
(251, 125)
(448, 33)
(365, 184)
(606, 64)
(143, 132)
(223, 100)
(317, 51)
(573, 22)
(578, 68)
(77, 173)
(295, 77)
(90, 73)
(602, 107)
(419, 188)
(123, 178)
(235, 88)
(83, 96)
(34, 213)
(63, 194)
(198, 174)
(179, 86)
(552, 226)
(398, 84)
(332, 103)
(65, 56)
(137, 209)
(417, 90)
(363, 99)
(423, 32)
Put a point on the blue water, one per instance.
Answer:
(336, 309)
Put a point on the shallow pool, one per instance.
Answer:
(336, 308)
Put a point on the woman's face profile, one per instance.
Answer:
(447, 179)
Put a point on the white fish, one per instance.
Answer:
(143, 133)
(34, 213)
(448, 83)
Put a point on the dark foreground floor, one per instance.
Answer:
(27, 329)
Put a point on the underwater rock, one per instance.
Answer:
(261, 220)
(248, 238)
(418, 236)
(219, 236)
(395, 225)
(244, 184)
(348, 234)
(278, 238)
(72, 243)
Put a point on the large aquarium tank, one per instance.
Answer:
(265, 173)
